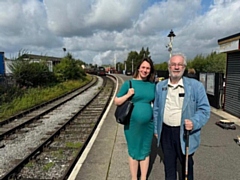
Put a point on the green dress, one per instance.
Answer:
(139, 132)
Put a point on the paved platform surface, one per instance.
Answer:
(106, 157)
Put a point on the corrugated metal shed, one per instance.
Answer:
(231, 46)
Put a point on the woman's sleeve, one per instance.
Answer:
(123, 90)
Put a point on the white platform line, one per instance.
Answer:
(83, 157)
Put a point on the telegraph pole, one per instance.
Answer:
(132, 66)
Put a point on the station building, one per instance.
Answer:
(231, 46)
(51, 61)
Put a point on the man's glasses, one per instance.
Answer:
(175, 65)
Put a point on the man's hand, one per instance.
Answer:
(188, 124)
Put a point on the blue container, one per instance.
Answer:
(2, 68)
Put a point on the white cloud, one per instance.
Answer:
(23, 26)
(83, 17)
(96, 31)
(166, 15)
(201, 35)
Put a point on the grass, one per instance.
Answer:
(47, 166)
(74, 145)
(36, 96)
(58, 154)
(29, 164)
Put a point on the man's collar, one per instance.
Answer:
(180, 83)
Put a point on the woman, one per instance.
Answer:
(139, 132)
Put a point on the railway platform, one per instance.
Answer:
(106, 157)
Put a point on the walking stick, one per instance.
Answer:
(186, 160)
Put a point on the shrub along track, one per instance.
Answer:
(57, 152)
(24, 118)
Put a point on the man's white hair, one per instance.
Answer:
(179, 54)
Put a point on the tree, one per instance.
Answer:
(211, 63)
(134, 58)
(69, 69)
(198, 63)
(216, 63)
(162, 66)
(120, 66)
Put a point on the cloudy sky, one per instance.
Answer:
(101, 31)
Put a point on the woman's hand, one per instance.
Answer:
(130, 92)
(120, 100)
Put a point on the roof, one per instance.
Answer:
(33, 56)
(229, 38)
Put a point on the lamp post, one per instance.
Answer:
(171, 35)
(64, 51)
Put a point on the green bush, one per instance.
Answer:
(23, 99)
(31, 74)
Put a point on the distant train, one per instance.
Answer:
(100, 71)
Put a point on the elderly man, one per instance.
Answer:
(180, 105)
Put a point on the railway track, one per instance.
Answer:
(57, 149)
(21, 119)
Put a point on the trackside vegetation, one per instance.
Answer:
(35, 84)
(30, 97)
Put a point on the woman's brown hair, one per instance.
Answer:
(151, 76)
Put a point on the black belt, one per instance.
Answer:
(167, 126)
